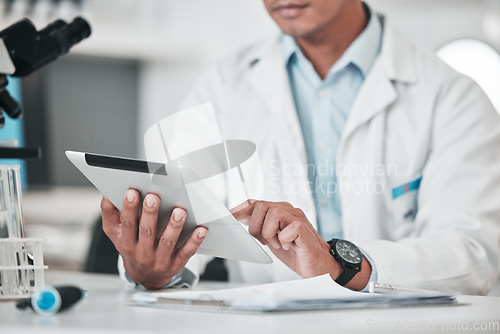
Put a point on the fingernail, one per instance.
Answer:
(130, 196)
(275, 245)
(202, 234)
(150, 202)
(178, 215)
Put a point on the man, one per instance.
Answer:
(362, 137)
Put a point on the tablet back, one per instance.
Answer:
(113, 176)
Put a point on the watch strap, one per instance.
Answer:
(347, 274)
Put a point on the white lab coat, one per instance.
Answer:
(413, 117)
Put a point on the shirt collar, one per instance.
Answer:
(362, 52)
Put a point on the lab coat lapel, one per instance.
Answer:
(394, 64)
(376, 94)
(270, 79)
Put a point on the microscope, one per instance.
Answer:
(24, 50)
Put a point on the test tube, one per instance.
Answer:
(13, 254)
(11, 213)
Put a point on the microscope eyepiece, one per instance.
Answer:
(30, 49)
(76, 31)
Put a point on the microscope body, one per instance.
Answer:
(23, 50)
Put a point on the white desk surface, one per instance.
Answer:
(104, 311)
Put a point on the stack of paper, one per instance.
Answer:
(306, 294)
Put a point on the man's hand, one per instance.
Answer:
(293, 240)
(147, 261)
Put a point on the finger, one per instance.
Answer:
(170, 235)
(276, 219)
(110, 220)
(257, 220)
(147, 226)
(243, 211)
(295, 232)
(128, 218)
(183, 254)
(285, 206)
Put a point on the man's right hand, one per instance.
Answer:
(147, 261)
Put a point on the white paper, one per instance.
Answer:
(320, 287)
(315, 293)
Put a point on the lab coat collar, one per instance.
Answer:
(269, 77)
(397, 55)
(395, 64)
(361, 53)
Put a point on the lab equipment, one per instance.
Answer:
(21, 259)
(24, 50)
(51, 300)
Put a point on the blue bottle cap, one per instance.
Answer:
(46, 301)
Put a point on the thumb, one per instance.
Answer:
(242, 212)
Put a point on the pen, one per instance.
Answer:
(388, 289)
(192, 302)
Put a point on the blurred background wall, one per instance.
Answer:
(142, 58)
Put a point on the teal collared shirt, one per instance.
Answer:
(322, 108)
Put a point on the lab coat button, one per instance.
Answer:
(322, 93)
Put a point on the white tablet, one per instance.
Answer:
(113, 176)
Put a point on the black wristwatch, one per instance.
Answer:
(348, 256)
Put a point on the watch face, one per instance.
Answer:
(348, 251)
